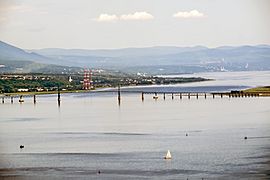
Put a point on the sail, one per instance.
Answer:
(168, 155)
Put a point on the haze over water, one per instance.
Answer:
(90, 133)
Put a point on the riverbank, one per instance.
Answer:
(173, 82)
(50, 83)
(264, 90)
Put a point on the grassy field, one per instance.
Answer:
(263, 91)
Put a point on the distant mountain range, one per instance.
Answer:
(152, 60)
(13, 59)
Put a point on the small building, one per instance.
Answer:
(23, 90)
(40, 89)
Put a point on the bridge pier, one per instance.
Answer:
(21, 99)
(58, 97)
(35, 100)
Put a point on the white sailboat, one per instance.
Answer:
(168, 155)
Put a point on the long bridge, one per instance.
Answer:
(156, 94)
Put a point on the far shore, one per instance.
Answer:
(79, 90)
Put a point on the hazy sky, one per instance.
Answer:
(95, 24)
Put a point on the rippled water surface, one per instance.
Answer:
(89, 133)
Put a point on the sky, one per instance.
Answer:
(110, 24)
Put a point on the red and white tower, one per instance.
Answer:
(90, 79)
(86, 80)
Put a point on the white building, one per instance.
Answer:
(23, 90)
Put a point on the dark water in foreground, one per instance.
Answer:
(91, 133)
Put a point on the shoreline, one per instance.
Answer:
(86, 91)
(262, 90)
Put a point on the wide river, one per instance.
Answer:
(89, 133)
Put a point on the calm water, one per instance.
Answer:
(90, 132)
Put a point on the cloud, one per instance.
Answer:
(125, 17)
(137, 16)
(188, 14)
(107, 18)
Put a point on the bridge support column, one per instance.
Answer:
(59, 97)
(35, 100)
(21, 99)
